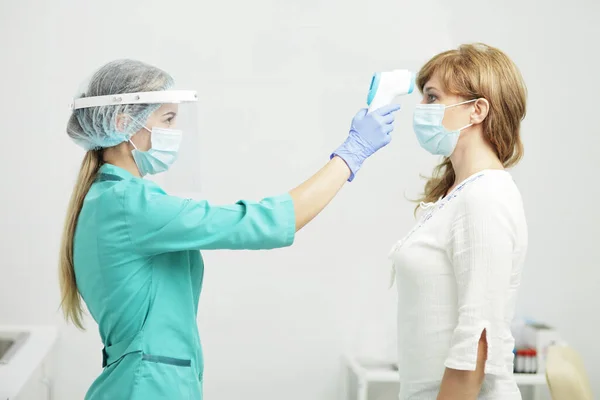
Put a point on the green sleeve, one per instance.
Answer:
(160, 223)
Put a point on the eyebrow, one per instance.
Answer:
(171, 113)
(430, 88)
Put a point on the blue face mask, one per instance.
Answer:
(162, 154)
(431, 134)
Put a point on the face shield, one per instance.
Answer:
(163, 129)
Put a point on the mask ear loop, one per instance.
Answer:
(143, 126)
(459, 104)
(140, 124)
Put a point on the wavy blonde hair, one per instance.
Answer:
(480, 71)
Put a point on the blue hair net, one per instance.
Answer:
(96, 127)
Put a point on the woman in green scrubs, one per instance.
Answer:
(131, 252)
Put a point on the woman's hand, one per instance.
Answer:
(368, 133)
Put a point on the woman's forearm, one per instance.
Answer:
(368, 133)
(465, 385)
(312, 196)
(460, 385)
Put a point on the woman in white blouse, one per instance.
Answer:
(459, 268)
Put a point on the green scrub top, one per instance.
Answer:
(139, 270)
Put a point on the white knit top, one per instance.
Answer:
(457, 273)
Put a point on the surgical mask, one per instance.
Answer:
(161, 155)
(431, 134)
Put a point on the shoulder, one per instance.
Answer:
(492, 198)
(125, 198)
(492, 191)
(492, 204)
(140, 187)
(142, 197)
(120, 191)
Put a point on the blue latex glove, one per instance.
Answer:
(368, 133)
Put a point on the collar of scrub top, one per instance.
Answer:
(109, 172)
(156, 97)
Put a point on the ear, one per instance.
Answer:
(122, 122)
(481, 108)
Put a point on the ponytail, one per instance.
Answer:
(70, 298)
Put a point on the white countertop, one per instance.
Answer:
(387, 374)
(22, 365)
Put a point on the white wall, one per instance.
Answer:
(279, 83)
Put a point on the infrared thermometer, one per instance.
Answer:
(386, 86)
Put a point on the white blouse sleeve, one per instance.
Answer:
(481, 247)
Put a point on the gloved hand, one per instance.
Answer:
(368, 133)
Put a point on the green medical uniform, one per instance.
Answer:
(139, 270)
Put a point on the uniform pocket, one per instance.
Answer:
(163, 377)
(179, 362)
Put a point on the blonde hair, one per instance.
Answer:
(71, 299)
(480, 71)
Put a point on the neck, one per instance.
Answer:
(473, 155)
(120, 156)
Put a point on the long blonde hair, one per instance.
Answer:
(71, 300)
(480, 71)
(94, 128)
